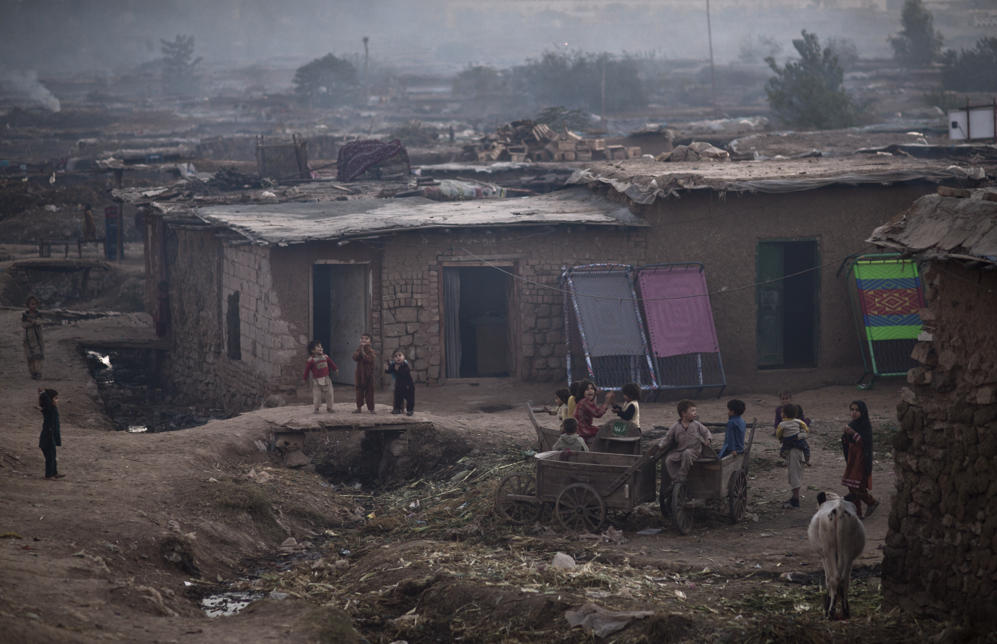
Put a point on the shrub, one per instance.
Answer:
(575, 81)
(972, 70)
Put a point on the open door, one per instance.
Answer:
(340, 312)
(788, 296)
(477, 335)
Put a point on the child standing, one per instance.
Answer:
(570, 439)
(734, 432)
(365, 357)
(34, 347)
(792, 432)
(631, 404)
(399, 368)
(318, 366)
(50, 437)
(856, 442)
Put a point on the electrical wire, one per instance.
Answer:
(722, 291)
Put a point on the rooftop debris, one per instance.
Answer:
(370, 158)
(955, 224)
(695, 151)
(526, 140)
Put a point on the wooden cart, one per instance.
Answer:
(709, 479)
(583, 485)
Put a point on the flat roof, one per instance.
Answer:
(644, 181)
(295, 222)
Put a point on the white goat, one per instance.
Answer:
(837, 533)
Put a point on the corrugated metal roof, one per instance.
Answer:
(939, 227)
(644, 181)
(294, 222)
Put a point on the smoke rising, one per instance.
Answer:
(23, 89)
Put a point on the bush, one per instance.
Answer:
(326, 81)
(808, 93)
(917, 44)
(973, 70)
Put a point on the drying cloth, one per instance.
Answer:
(606, 314)
(890, 296)
(677, 309)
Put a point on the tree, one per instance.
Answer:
(179, 65)
(918, 43)
(809, 93)
(326, 81)
(576, 80)
(972, 70)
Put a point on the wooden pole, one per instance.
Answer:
(713, 76)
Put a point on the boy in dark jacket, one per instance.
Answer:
(50, 437)
(404, 386)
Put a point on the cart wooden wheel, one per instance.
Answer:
(681, 511)
(665, 493)
(516, 499)
(737, 494)
(579, 507)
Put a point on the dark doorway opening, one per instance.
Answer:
(340, 312)
(477, 329)
(788, 297)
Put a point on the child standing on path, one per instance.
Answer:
(734, 432)
(365, 357)
(318, 366)
(50, 438)
(404, 386)
(856, 441)
(34, 347)
(792, 432)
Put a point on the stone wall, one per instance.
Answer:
(941, 550)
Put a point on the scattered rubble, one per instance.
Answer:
(527, 140)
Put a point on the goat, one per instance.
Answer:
(836, 532)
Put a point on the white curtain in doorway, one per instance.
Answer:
(451, 306)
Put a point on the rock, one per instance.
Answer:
(563, 561)
(274, 400)
(296, 459)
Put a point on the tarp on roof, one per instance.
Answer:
(644, 181)
(290, 223)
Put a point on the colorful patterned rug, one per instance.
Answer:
(889, 294)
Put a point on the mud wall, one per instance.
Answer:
(941, 550)
(723, 231)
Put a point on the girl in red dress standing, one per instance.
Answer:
(588, 410)
(856, 442)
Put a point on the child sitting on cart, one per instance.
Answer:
(684, 442)
(569, 439)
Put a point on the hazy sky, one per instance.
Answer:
(49, 36)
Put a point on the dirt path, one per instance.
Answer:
(104, 554)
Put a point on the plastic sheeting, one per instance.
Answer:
(888, 290)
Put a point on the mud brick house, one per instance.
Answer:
(941, 550)
(471, 289)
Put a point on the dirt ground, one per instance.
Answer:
(144, 525)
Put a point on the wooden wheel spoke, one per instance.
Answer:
(580, 506)
(516, 499)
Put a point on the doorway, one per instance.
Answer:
(477, 330)
(788, 304)
(340, 312)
